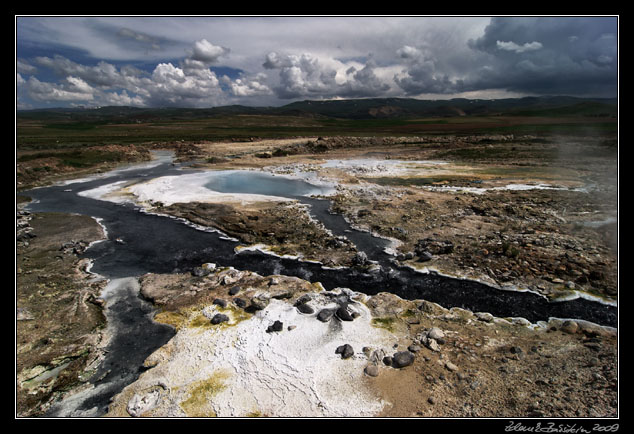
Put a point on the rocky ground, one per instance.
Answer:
(59, 318)
(250, 345)
(286, 228)
(299, 350)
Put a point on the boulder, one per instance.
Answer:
(371, 370)
(260, 301)
(570, 327)
(345, 350)
(305, 308)
(220, 302)
(325, 315)
(402, 359)
(435, 333)
(219, 318)
(343, 314)
(277, 326)
(360, 258)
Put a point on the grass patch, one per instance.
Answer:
(78, 159)
(384, 323)
(419, 181)
(201, 395)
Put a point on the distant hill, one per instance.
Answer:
(371, 108)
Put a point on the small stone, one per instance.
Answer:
(414, 348)
(219, 318)
(425, 256)
(240, 302)
(304, 308)
(200, 272)
(450, 366)
(372, 370)
(484, 316)
(260, 301)
(234, 290)
(431, 344)
(402, 359)
(431, 400)
(435, 333)
(343, 314)
(387, 360)
(220, 302)
(277, 326)
(345, 350)
(325, 315)
(570, 327)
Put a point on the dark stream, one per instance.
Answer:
(157, 244)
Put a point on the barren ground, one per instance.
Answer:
(555, 241)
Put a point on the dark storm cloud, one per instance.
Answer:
(552, 55)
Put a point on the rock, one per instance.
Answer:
(570, 327)
(425, 256)
(210, 266)
(372, 370)
(516, 350)
(414, 348)
(360, 258)
(220, 302)
(23, 314)
(325, 315)
(484, 316)
(345, 350)
(260, 301)
(402, 359)
(140, 404)
(450, 366)
(200, 272)
(305, 308)
(234, 290)
(277, 326)
(435, 333)
(240, 302)
(343, 314)
(377, 356)
(219, 318)
(431, 400)
(430, 343)
(387, 360)
(303, 299)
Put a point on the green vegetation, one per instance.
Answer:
(79, 158)
(72, 128)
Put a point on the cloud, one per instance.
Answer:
(248, 86)
(205, 51)
(74, 89)
(420, 74)
(512, 46)
(143, 38)
(574, 56)
(309, 76)
(25, 68)
(122, 60)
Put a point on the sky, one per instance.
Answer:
(207, 61)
